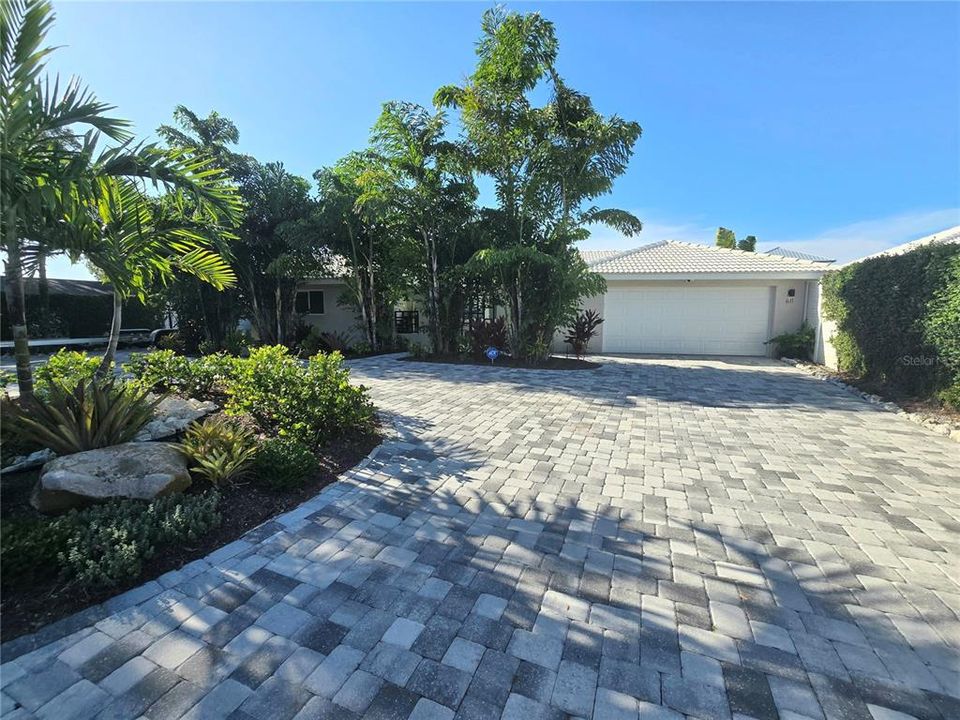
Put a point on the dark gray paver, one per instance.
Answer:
(720, 538)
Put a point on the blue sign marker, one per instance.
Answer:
(492, 354)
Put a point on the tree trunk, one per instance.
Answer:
(111, 352)
(16, 306)
(437, 333)
(43, 286)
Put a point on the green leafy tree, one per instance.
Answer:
(49, 172)
(426, 179)
(358, 220)
(272, 254)
(548, 164)
(726, 239)
(748, 244)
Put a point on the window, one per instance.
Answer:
(477, 310)
(310, 302)
(406, 321)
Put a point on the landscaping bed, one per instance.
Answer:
(116, 514)
(553, 362)
(243, 506)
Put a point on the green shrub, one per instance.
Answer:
(485, 334)
(582, 331)
(236, 343)
(104, 545)
(172, 341)
(7, 378)
(30, 549)
(797, 345)
(67, 369)
(165, 371)
(219, 449)
(951, 396)
(898, 318)
(311, 403)
(285, 463)
(93, 415)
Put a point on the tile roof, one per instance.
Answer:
(592, 256)
(798, 254)
(673, 256)
(950, 235)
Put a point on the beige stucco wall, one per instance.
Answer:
(787, 313)
(336, 318)
(823, 352)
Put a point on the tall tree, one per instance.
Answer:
(271, 257)
(198, 304)
(548, 164)
(45, 180)
(748, 244)
(358, 221)
(428, 181)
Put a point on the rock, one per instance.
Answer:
(173, 415)
(26, 462)
(131, 470)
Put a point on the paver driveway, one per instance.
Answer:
(654, 538)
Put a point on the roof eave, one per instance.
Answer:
(783, 275)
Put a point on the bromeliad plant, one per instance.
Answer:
(85, 417)
(219, 449)
(582, 331)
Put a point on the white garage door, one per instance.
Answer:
(687, 320)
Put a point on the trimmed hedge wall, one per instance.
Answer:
(898, 320)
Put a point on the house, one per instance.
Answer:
(798, 254)
(666, 297)
(688, 299)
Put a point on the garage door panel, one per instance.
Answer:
(687, 320)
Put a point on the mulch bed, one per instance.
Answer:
(552, 363)
(243, 506)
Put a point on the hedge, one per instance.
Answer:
(898, 319)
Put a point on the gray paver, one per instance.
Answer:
(723, 538)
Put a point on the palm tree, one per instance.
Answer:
(136, 241)
(45, 180)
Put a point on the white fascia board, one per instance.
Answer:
(805, 275)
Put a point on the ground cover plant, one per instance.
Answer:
(287, 428)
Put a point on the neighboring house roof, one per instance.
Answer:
(672, 257)
(797, 254)
(592, 256)
(31, 286)
(944, 237)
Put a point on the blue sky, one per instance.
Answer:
(834, 126)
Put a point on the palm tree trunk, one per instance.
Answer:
(111, 353)
(16, 306)
(43, 287)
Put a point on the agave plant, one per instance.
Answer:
(88, 416)
(219, 449)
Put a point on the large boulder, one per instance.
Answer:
(131, 470)
(173, 415)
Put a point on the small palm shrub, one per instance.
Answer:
(219, 449)
(312, 403)
(485, 334)
(582, 331)
(797, 345)
(103, 545)
(285, 463)
(91, 415)
(67, 368)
